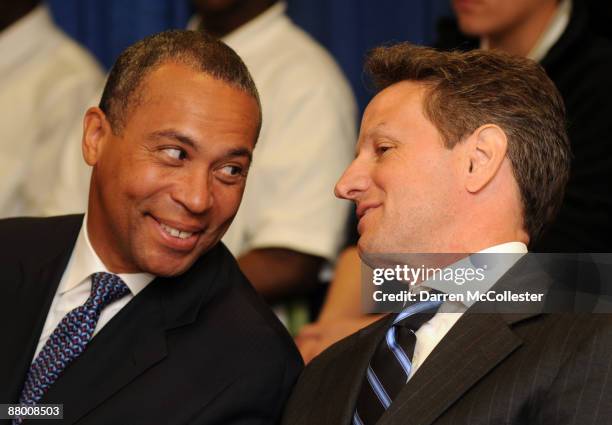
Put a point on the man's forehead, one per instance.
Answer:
(381, 129)
(404, 89)
(170, 79)
(175, 85)
(155, 85)
(393, 102)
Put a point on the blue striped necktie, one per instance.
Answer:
(70, 338)
(390, 366)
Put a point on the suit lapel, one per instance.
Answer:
(29, 310)
(343, 378)
(135, 339)
(132, 342)
(474, 346)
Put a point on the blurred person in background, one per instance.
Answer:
(47, 83)
(341, 314)
(558, 35)
(289, 223)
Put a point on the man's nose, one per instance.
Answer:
(353, 182)
(194, 192)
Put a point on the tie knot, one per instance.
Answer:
(106, 287)
(415, 315)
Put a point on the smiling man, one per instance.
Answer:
(460, 153)
(136, 313)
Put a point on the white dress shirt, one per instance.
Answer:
(553, 31)
(307, 140)
(551, 34)
(75, 286)
(432, 332)
(47, 83)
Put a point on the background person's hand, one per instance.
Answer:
(316, 337)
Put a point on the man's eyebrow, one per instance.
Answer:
(173, 134)
(186, 140)
(383, 131)
(379, 130)
(232, 153)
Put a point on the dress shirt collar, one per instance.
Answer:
(251, 31)
(550, 35)
(28, 33)
(553, 31)
(84, 261)
(496, 266)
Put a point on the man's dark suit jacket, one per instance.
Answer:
(521, 368)
(201, 348)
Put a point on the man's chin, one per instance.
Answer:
(168, 272)
(165, 266)
(368, 246)
(381, 254)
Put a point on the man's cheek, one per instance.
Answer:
(148, 181)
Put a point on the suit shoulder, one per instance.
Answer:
(561, 337)
(34, 236)
(38, 227)
(246, 314)
(341, 350)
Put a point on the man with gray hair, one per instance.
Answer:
(135, 313)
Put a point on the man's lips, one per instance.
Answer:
(178, 235)
(363, 208)
(181, 226)
(362, 211)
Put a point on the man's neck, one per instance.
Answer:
(519, 39)
(221, 22)
(12, 11)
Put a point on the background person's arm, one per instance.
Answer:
(280, 272)
(341, 314)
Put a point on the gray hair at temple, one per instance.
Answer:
(195, 49)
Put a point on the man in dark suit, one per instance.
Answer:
(461, 153)
(136, 313)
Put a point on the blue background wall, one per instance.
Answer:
(348, 28)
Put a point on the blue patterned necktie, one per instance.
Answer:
(70, 337)
(391, 364)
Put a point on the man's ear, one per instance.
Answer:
(487, 148)
(96, 132)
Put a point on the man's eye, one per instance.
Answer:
(382, 149)
(232, 170)
(175, 153)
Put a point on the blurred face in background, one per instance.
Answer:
(480, 18)
(220, 17)
(205, 7)
(216, 5)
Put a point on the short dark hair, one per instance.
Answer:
(466, 90)
(192, 48)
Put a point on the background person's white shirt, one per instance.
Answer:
(75, 286)
(551, 34)
(47, 82)
(307, 140)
